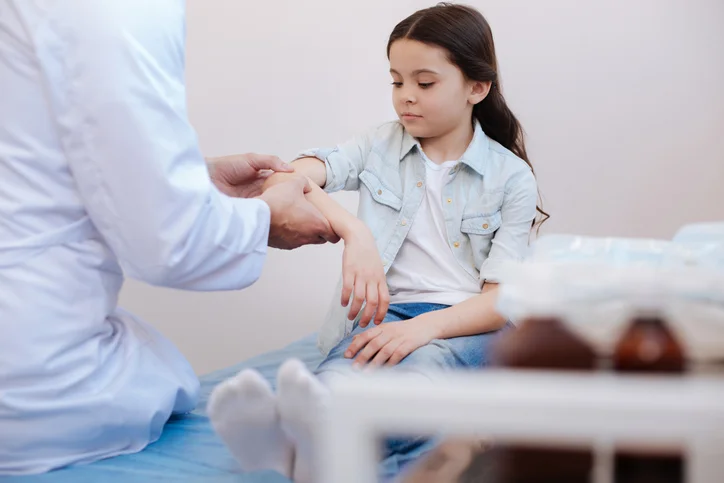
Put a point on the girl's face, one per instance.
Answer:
(431, 95)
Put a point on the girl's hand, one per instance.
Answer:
(390, 343)
(363, 275)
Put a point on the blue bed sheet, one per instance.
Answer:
(188, 450)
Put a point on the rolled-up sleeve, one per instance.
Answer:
(344, 162)
(510, 243)
(121, 106)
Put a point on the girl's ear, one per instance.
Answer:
(479, 91)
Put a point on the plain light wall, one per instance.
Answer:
(622, 101)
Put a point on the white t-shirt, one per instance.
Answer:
(425, 269)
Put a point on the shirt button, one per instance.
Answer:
(404, 223)
(379, 192)
(485, 226)
(456, 245)
(419, 184)
(449, 200)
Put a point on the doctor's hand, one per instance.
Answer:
(294, 220)
(243, 175)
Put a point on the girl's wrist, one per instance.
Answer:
(435, 323)
(352, 228)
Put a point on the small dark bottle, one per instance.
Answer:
(543, 342)
(647, 347)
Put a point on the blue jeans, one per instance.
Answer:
(470, 352)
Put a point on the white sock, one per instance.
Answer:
(302, 398)
(243, 412)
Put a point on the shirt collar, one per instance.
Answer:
(476, 156)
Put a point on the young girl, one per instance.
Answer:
(447, 195)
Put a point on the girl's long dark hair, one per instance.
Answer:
(465, 34)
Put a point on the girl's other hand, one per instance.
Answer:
(388, 344)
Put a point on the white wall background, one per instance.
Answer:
(622, 100)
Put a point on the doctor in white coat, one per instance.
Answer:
(101, 177)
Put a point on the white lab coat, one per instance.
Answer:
(101, 176)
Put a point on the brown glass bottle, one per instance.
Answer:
(648, 346)
(543, 343)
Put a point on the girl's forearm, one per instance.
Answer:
(476, 315)
(312, 168)
(342, 221)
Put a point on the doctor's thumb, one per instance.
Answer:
(268, 161)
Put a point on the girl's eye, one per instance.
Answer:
(426, 85)
(397, 84)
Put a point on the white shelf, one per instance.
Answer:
(557, 407)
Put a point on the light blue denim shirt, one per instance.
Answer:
(489, 203)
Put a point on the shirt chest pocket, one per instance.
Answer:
(478, 231)
(379, 192)
(379, 208)
(476, 224)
